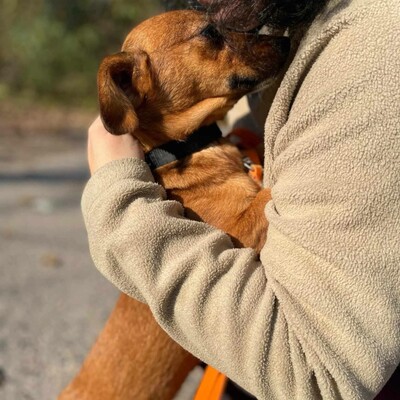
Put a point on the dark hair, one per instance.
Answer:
(248, 14)
(290, 13)
(182, 5)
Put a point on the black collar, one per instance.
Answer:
(176, 150)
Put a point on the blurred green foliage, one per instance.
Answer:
(50, 49)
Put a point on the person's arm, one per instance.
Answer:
(144, 245)
(319, 317)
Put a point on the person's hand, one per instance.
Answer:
(104, 147)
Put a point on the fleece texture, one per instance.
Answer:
(318, 317)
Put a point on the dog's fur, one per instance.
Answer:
(175, 74)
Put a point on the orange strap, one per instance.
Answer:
(212, 385)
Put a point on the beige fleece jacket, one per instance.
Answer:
(319, 316)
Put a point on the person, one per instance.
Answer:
(318, 316)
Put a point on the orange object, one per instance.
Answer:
(257, 173)
(245, 138)
(212, 385)
(247, 141)
(254, 165)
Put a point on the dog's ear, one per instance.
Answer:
(123, 81)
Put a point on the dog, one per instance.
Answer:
(177, 74)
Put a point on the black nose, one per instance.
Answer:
(282, 44)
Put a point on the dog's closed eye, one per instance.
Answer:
(243, 82)
(211, 33)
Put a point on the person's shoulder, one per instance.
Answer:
(346, 64)
(382, 16)
(352, 26)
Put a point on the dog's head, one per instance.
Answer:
(176, 72)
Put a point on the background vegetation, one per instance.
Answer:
(50, 49)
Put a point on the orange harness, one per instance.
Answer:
(213, 383)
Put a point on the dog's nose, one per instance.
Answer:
(282, 44)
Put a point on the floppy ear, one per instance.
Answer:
(123, 81)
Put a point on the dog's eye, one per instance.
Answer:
(210, 32)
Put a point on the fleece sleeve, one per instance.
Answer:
(318, 317)
(210, 297)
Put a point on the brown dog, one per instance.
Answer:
(177, 73)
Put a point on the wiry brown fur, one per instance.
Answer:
(213, 187)
(168, 81)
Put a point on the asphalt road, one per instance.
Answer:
(53, 302)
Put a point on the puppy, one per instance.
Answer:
(176, 73)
